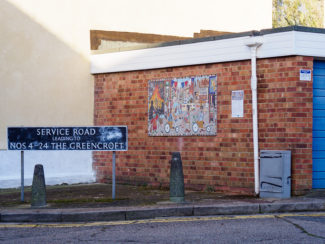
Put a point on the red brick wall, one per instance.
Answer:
(285, 107)
(223, 162)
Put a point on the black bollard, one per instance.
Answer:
(176, 184)
(38, 187)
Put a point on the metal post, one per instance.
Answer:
(113, 176)
(22, 176)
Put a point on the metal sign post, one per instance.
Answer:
(22, 198)
(113, 176)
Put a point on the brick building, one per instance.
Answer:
(224, 161)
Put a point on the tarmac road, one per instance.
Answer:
(271, 228)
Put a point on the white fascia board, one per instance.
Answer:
(171, 56)
(277, 45)
(224, 50)
(310, 44)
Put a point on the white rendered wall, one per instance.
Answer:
(59, 167)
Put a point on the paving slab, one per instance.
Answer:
(141, 203)
(226, 209)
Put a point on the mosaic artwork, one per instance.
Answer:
(183, 106)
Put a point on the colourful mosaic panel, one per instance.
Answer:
(183, 106)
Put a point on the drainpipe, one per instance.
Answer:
(253, 43)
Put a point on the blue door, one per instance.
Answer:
(319, 124)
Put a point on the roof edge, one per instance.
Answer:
(219, 37)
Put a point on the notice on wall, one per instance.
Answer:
(305, 75)
(97, 138)
(237, 104)
(182, 106)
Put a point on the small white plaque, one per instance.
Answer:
(305, 75)
(237, 104)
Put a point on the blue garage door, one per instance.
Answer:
(319, 125)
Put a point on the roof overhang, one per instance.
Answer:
(280, 42)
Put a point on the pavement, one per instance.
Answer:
(196, 204)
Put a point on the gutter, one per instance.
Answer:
(253, 43)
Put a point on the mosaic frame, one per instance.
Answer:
(185, 106)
